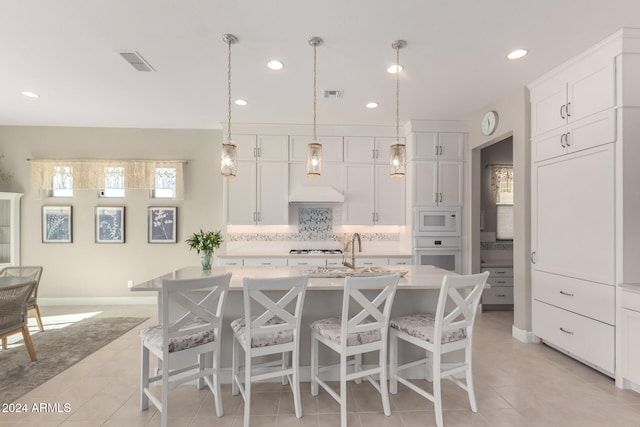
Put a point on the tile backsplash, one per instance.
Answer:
(315, 223)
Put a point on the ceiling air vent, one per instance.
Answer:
(136, 60)
(333, 94)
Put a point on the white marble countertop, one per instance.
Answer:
(288, 255)
(416, 277)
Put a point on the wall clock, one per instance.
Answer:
(489, 123)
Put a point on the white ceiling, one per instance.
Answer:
(66, 50)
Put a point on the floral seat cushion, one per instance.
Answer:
(331, 329)
(421, 326)
(263, 339)
(152, 337)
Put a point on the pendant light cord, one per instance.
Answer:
(315, 90)
(229, 91)
(398, 93)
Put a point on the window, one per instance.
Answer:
(113, 182)
(165, 187)
(62, 181)
(502, 184)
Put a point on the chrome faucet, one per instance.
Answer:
(353, 250)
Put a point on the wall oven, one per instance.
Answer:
(437, 221)
(442, 252)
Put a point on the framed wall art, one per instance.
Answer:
(56, 224)
(110, 224)
(162, 224)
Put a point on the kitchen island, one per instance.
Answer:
(417, 292)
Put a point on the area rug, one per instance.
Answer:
(57, 350)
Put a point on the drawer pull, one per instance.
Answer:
(566, 293)
(232, 263)
(501, 295)
(499, 272)
(501, 282)
(266, 263)
(566, 332)
(303, 263)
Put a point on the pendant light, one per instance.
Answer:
(229, 155)
(314, 152)
(397, 163)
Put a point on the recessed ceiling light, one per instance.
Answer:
(517, 54)
(395, 68)
(372, 105)
(241, 102)
(30, 94)
(276, 65)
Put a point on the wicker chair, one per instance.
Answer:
(13, 313)
(29, 273)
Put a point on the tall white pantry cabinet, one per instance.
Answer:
(585, 220)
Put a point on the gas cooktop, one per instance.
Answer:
(315, 252)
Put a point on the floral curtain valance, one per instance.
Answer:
(502, 183)
(91, 174)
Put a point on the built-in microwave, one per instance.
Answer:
(437, 221)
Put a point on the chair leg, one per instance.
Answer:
(384, 390)
(216, 383)
(235, 368)
(469, 374)
(393, 363)
(247, 388)
(164, 419)
(4, 343)
(437, 389)
(357, 367)
(343, 390)
(314, 366)
(38, 318)
(297, 403)
(144, 385)
(28, 343)
(285, 364)
(201, 367)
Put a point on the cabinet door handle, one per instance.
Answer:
(533, 257)
(566, 139)
(562, 110)
(435, 199)
(566, 332)
(562, 137)
(255, 152)
(441, 150)
(254, 217)
(436, 150)
(568, 109)
(440, 197)
(566, 293)
(377, 217)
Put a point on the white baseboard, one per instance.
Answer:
(521, 335)
(99, 301)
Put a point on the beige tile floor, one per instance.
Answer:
(516, 384)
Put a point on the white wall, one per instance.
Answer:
(514, 121)
(84, 269)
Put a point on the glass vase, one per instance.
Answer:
(206, 258)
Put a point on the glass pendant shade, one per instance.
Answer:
(314, 159)
(228, 159)
(397, 160)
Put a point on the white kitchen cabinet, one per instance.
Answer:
(595, 130)
(9, 229)
(586, 88)
(372, 196)
(438, 183)
(258, 194)
(332, 150)
(270, 148)
(631, 336)
(500, 294)
(437, 145)
(573, 222)
(265, 262)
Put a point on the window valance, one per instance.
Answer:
(91, 174)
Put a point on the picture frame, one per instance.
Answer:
(110, 222)
(57, 224)
(162, 224)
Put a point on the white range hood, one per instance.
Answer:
(316, 194)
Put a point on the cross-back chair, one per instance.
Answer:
(365, 332)
(191, 327)
(271, 325)
(29, 272)
(449, 329)
(13, 313)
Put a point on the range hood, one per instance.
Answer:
(316, 194)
